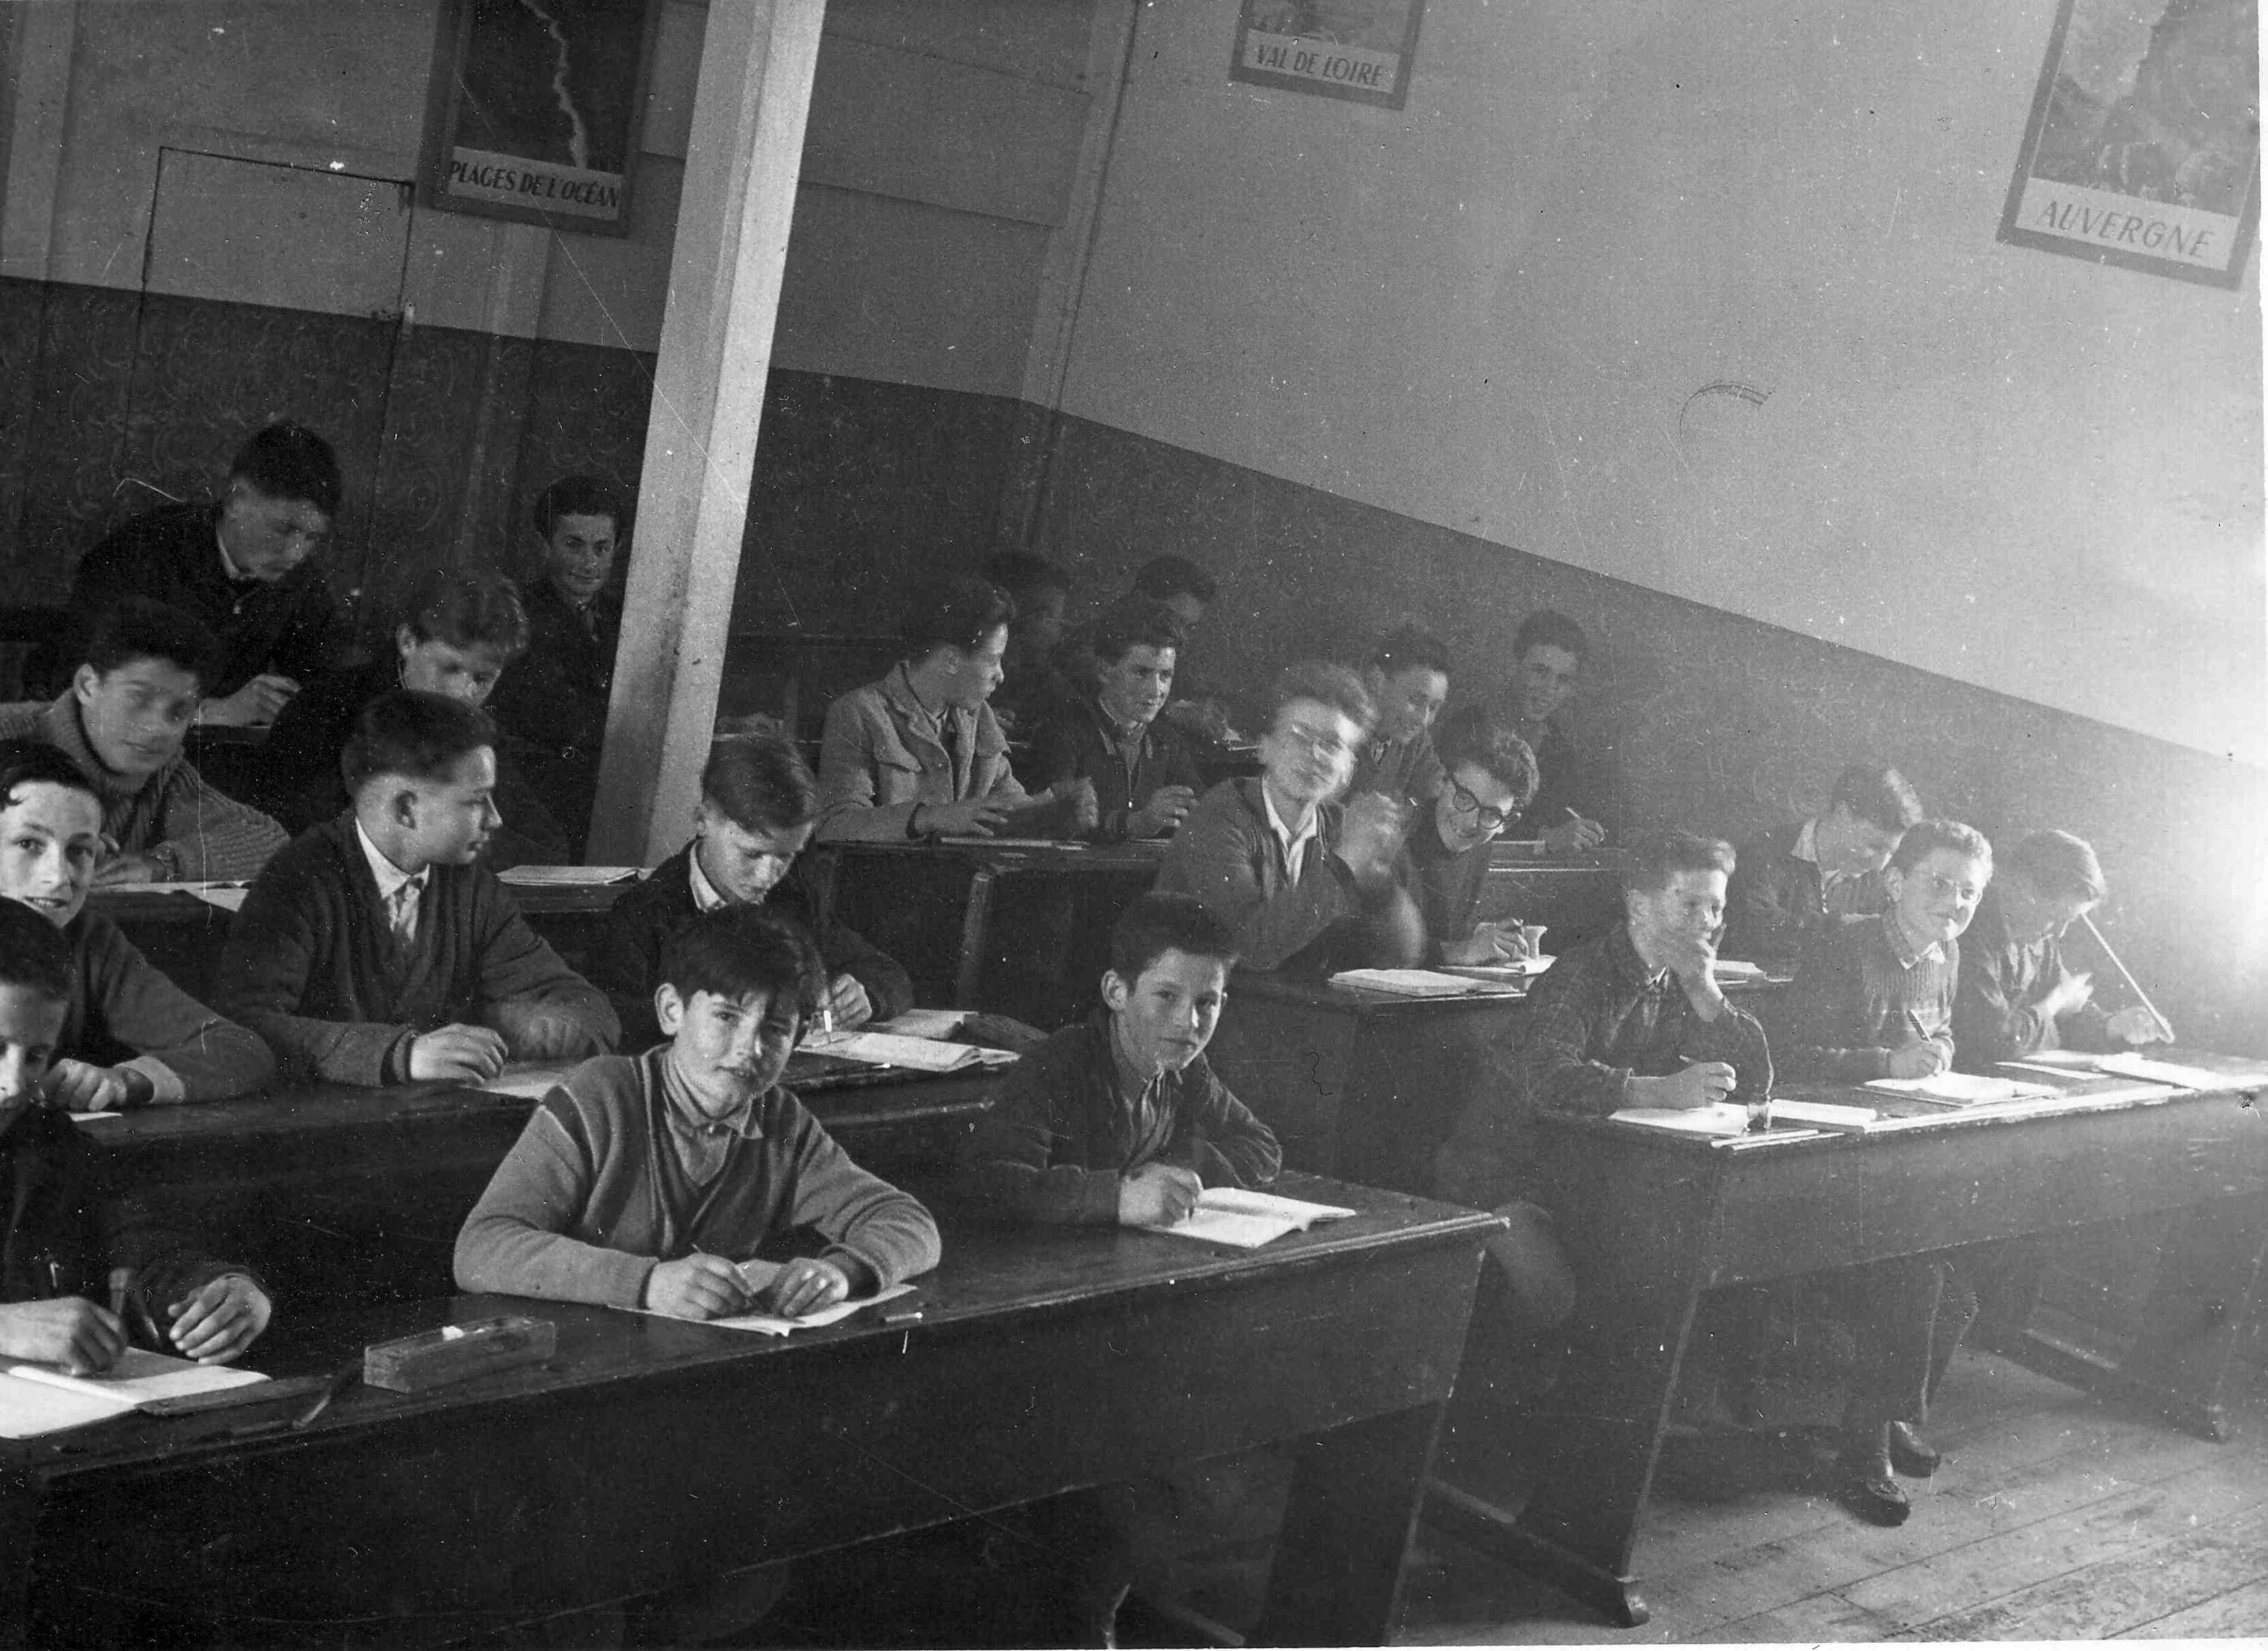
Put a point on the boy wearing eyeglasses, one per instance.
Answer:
(1487, 776)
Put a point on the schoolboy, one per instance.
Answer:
(1301, 882)
(1119, 1119)
(1110, 734)
(1548, 654)
(121, 721)
(1031, 669)
(1797, 879)
(131, 1036)
(66, 1239)
(758, 802)
(375, 951)
(1485, 775)
(1407, 676)
(249, 569)
(457, 633)
(2017, 996)
(645, 1181)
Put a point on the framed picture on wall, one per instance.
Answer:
(533, 110)
(1356, 49)
(2143, 148)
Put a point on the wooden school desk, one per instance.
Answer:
(1576, 895)
(651, 1453)
(1651, 1220)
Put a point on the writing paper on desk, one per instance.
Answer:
(1514, 969)
(1248, 1220)
(1013, 842)
(1725, 1119)
(1411, 983)
(1961, 1089)
(1734, 968)
(760, 1275)
(534, 1080)
(227, 896)
(2134, 1065)
(37, 1398)
(568, 876)
(915, 1054)
(934, 1024)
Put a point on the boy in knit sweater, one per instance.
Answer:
(374, 951)
(646, 1180)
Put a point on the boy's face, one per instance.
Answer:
(1408, 702)
(977, 671)
(1689, 907)
(728, 1050)
(1858, 844)
(268, 538)
(1935, 899)
(1166, 1016)
(50, 842)
(1136, 687)
(434, 666)
(30, 1023)
(1547, 677)
(741, 865)
(136, 714)
(578, 555)
(1472, 806)
(2031, 917)
(448, 821)
(1309, 753)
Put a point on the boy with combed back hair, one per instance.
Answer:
(375, 951)
(1108, 731)
(1803, 878)
(1119, 1118)
(645, 1181)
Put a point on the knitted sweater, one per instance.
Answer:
(172, 815)
(124, 1013)
(1856, 999)
(592, 1195)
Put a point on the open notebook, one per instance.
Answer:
(1425, 983)
(38, 1398)
(914, 1054)
(568, 876)
(1247, 1219)
(1961, 1089)
(760, 1275)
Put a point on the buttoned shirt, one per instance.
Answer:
(398, 892)
(1295, 843)
(705, 897)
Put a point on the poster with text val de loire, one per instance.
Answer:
(535, 109)
(2144, 145)
(1356, 49)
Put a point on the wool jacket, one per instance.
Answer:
(879, 762)
(125, 1013)
(554, 695)
(1855, 1000)
(1408, 770)
(1071, 739)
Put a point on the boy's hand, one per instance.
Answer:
(1162, 815)
(1575, 836)
(1703, 1083)
(130, 868)
(221, 1320)
(806, 1285)
(2071, 992)
(1917, 1060)
(1371, 836)
(73, 1085)
(697, 1286)
(977, 817)
(2138, 1025)
(69, 1331)
(1084, 813)
(1488, 943)
(849, 1002)
(1156, 1195)
(535, 1030)
(255, 704)
(474, 1052)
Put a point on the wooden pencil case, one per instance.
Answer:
(457, 1353)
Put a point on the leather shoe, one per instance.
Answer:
(1868, 1490)
(1910, 1454)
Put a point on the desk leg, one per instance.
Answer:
(1337, 1575)
(975, 922)
(2208, 1287)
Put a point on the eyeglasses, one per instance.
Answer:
(1465, 802)
(1322, 744)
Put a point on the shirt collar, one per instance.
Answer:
(705, 897)
(898, 688)
(1294, 842)
(1807, 843)
(1901, 949)
(686, 1118)
(1632, 962)
(390, 877)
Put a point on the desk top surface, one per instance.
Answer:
(1362, 1002)
(128, 905)
(1014, 855)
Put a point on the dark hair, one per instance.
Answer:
(1157, 923)
(1165, 577)
(468, 610)
(1021, 573)
(417, 736)
(1880, 796)
(957, 612)
(2059, 865)
(1657, 857)
(1135, 622)
(1326, 684)
(1474, 736)
(1547, 629)
(761, 781)
(36, 763)
(1925, 836)
(581, 496)
(34, 954)
(1410, 648)
(735, 950)
(290, 461)
(135, 628)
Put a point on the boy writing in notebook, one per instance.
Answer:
(373, 950)
(68, 1245)
(645, 1181)
(1118, 1120)
(1484, 777)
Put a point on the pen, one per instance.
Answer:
(344, 1379)
(827, 1019)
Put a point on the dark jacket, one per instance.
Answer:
(554, 695)
(1995, 1003)
(1565, 780)
(1447, 884)
(1774, 905)
(1071, 739)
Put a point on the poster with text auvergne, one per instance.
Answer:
(1356, 49)
(2143, 148)
(534, 110)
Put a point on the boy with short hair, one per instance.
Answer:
(1300, 881)
(645, 1181)
(1485, 776)
(67, 1241)
(132, 1037)
(375, 951)
(2017, 996)
(1110, 734)
(1119, 1119)
(1548, 653)
(1031, 669)
(758, 802)
(121, 721)
(1407, 677)
(1799, 879)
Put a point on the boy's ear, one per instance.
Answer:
(1116, 990)
(85, 680)
(668, 1009)
(401, 807)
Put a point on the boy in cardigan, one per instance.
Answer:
(1799, 879)
(131, 1036)
(645, 1181)
(1119, 1119)
(121, 721)
(1483, 777)
(758, 800)
(374, 950)
(66, 1243)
